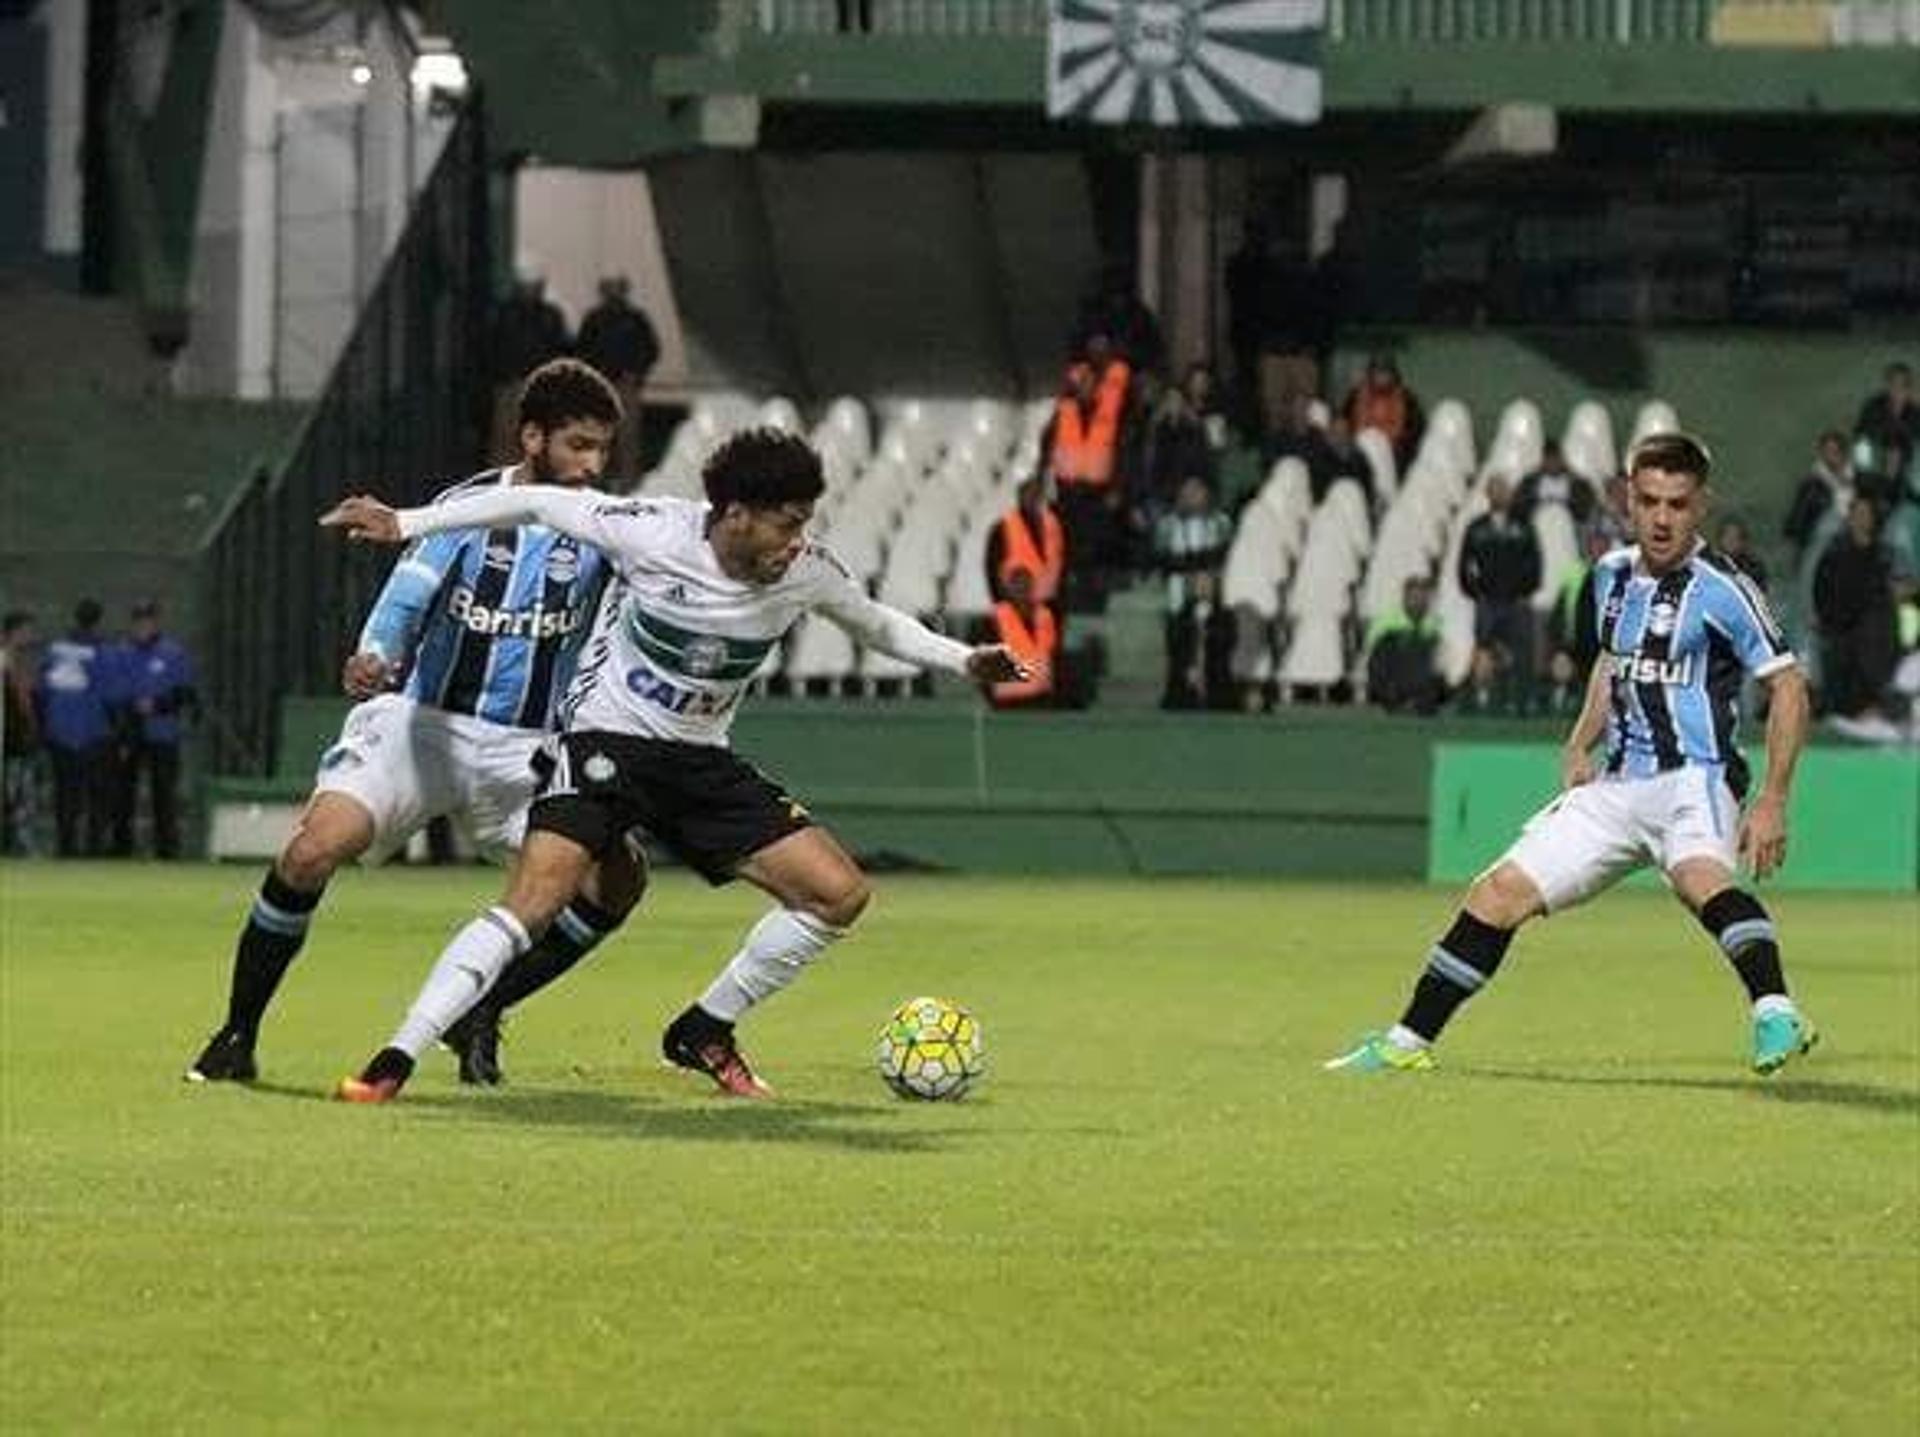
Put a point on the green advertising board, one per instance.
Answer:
(1854, 821)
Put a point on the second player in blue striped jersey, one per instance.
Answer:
(1680, 645)
(456, 676)
(487, 622)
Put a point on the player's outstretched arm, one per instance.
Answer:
(1763, 829)
(579, 512)
(1576, 759)
(904, 637)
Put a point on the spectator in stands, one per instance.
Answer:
(1854, 601)
(1029, 536)
(1485, 694)
(1027, 627)
(1499, 570)
(1573, 628)
(157, 697)
(1403, 654)
(1114, 316)
(1189, 547)
(19, 803)
(1280, 325)
(1176, 448)
(1732, 541)
(528, 329)
(1893, 414)
(74, 692)
(1329, 456)
(1381, 400)
(1082, 445)
(1610, 525)
(618, 339)
(1554, 483)
(1202, 388)
(1824, 493)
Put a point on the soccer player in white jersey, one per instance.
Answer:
(458, 672)
(706, 592)
(1680, 629)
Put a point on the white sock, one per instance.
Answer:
(468, 966)
(1403, 1037)
(777, 948)
(1773, 1003)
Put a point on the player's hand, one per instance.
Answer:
(1763, 835)
(364, 517)
(995, 664)
(1576, 768)
(365, 675)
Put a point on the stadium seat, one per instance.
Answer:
(1588, 442)
(1347, 500)
(846, 420)
(967, 596)
(1656, 416)
(1451, 427)
(1559, 543)
(1256, 562)
(1385, 479)
(1520, 437)
(1316, 656)
(819, 649)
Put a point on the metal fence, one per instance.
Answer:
(403, 413)
(1609, 22)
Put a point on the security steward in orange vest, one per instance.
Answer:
(1029, 629)
(1029, 536)
(1082, 445)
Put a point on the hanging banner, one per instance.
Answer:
(1185, 62)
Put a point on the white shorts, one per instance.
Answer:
(1592, 836)
(407, 763)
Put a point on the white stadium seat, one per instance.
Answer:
(1379, 455)
(1656, 416)
(1451, 427)
(819, 649)
(1316, 655)
(1588, 442)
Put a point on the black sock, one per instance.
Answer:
(1745, 934)
(387, 1063)
(276, 929)
(569, 938)
(1457, 968)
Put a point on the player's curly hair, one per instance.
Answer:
(763, 469)
(563, 390)
(1673, 452)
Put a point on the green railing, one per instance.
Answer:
(1597, 22)
(403, 413)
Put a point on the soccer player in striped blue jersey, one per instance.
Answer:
(1681, 629)
(459, 671)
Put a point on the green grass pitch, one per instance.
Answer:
(1157, 1215)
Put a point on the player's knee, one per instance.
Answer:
(311, 858)
(842, 902)
(1504, 897)
(619, 880)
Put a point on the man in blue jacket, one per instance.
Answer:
(155, 688)
(75, 679)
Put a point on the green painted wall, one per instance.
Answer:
(1854, 820)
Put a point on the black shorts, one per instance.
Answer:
(707, 804)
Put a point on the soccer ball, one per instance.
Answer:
(932, 1048)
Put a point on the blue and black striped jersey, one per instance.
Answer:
(1680, 646)
(488, 621)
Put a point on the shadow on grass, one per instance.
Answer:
(701, 1118)
(1867, 1097)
